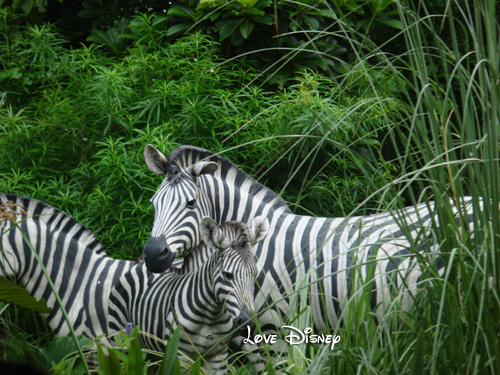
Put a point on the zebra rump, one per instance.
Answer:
(74, 259)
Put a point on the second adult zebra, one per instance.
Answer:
(335, 257)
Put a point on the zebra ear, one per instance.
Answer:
(203, 167)
(212, 235)
(258, 229)
(155, 160)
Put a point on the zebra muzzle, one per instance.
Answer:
(244, 319)
(157, 255)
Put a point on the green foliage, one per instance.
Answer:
(12, 293)
(74, 123)
(128, 358)
(22, 335)
(299, 34)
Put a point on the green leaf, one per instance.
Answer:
(26, 6)
(196, 368)
(92, 12)
(267, 19)
(64, 367)
(109, 364)
(257, 12)
(209, 4)
(418, 353)
(13, 73)
(228, 27)
(397, 24)
(318, 62)
(170, 355)
(130, 36)
(312, 22)
(181, 10)
(12, 293)
(248, 3)
(135, 360)
(270, 368)
(215, 15)
(379, 5)
(178, 29)
(61, 347)
(246, 28)
(100, 37)
(237, 39)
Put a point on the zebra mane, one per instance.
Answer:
(35, 208)
(234, 231)
(185, 156)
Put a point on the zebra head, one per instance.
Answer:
(178, 211)
(233, 279)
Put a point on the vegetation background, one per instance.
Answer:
(345, 107)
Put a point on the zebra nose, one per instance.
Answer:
(243, 320)
(157, 255)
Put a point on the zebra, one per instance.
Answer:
(330, 255)
(86, 279)
(207, 296)
(82, 273)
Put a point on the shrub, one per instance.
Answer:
(75, 122)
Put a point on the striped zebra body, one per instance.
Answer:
(101, 294)
(82, 273)
(209, 296)
(334, 255)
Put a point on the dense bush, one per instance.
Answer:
(282, 36)
(74, 123)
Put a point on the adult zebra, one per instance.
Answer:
(335, 253)
(207, 296)
(84, 276)
(82, 273)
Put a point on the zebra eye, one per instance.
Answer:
(191, 203)
(227, 275)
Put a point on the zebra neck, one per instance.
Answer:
(198, 267)
(231, 200)
(196, 258)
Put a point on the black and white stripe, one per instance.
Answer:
(335, 254)
(82, 273)
(209, 296)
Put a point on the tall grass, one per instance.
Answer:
(444, 148)
(452, 143)
(449, 149)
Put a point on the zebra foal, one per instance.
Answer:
(209, 296)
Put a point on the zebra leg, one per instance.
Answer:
(216, 364)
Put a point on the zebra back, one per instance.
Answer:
(73, 258)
